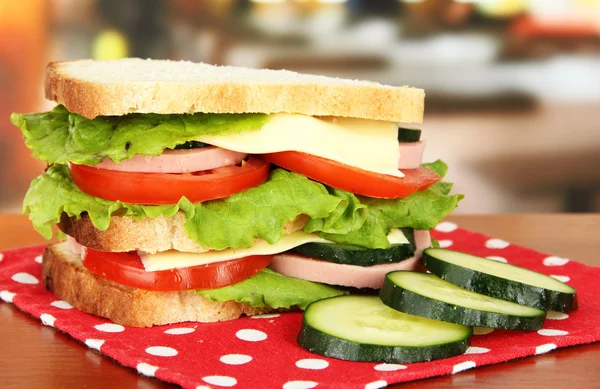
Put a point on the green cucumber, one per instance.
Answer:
(426, 295)
(409, 134)
(360, 256)
(192, 144)
(501, 280)
(361, 328)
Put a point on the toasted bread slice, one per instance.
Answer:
(118, 87)
(150, 235)
(64, 274)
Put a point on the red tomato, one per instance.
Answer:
(127, 269)
(165, 188)
(352, 179)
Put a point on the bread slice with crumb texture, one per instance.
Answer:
(64, 274)
(150, 235)
(133, 85)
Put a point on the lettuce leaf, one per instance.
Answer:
(60, 136)
(438, 166)
(260, 212)
(422, 210)
(274, 290)
(349, 215)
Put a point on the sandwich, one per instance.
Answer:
(192, 192)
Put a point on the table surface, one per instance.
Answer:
(36, 356)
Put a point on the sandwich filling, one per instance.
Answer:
(281, 209)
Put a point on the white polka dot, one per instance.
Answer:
(25, 278)
(552, 332)
(444, 243)
(251, 335)
(203, 387)
(47, 319)
(312, 364)
(498, 259)
(553, 315)
(446, 227)
(220, 380)
(235, 359)
(161, 351)
(179, 331)
(544, 348)
(38, 259)
(1, 257)
(389, 367)
(94, 343)
(463, 366)
(265, 316)
(299, 385)
(482, 330)
(495, 243)
(477, 350)
(555, 261)
(376, 384)
(146, 369)
(61, 304)
(7, 296)
(561, 278)
(110, 327)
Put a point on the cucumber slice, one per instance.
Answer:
(408, 134)
(192, 144)
(361, 328)
(501, 280)
(426, 295)
(360, 256)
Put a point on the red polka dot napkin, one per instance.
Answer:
(261, 352)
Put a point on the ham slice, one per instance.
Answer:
(411, 154)
(211, 157)
(177, 161)
(299, 266)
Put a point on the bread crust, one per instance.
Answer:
(64, 275)
(335, 98)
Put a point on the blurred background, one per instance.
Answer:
(513, 86)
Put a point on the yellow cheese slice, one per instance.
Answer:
(172, 259)
(370, 145)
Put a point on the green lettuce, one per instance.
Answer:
(60, 136)
(274, 290)
(421, 210)
(259, 212)
(349, 215)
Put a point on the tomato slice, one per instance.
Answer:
(127, 269)
(165, 188)
(352, 179)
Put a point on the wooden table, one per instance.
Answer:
(36, 356)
